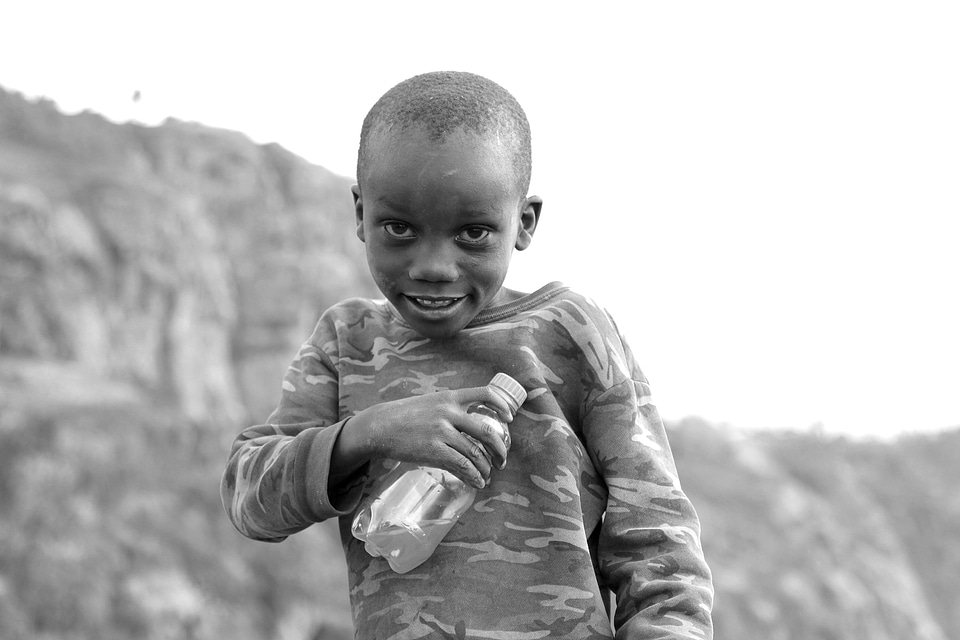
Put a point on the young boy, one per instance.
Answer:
(588, 499)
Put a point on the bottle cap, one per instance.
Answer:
(511, 387)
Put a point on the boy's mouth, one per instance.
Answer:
(433, 303)
(435, 316)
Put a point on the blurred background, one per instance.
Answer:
(764, 196)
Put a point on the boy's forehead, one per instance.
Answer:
(402, 147)
(415, 135)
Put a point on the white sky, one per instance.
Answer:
(765, 194)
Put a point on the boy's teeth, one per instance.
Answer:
(436, 304)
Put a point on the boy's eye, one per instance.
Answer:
(398, 230)
(473, 234)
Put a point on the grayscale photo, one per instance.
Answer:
(505, 321)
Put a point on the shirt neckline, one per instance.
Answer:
(492, 314)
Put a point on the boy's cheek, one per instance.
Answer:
(384, 281)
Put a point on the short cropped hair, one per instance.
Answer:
(442, 102)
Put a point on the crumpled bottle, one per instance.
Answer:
(412, 507)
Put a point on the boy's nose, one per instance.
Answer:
(434, 264)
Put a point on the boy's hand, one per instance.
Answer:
(432, 430)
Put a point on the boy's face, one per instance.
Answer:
(440, 221)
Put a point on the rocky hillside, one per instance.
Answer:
(183, 258)
(815, 537)
(154, 283)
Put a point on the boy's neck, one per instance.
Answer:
(506, 296)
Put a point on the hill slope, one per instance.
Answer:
(184, 257)
(814, 537)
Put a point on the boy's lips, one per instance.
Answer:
(435, 306)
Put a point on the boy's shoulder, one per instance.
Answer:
(356, 303)
(583, 307)
(357, 309)
(554, 307)
(550, 296)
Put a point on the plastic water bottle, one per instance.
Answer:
(412, 507)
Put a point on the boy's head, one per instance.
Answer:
(442, 175)
(442, 102)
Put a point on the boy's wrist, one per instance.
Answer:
(353, 448)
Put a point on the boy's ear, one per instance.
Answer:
(358, 209)
(529, 217)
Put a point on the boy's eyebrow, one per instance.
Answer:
(478, 213)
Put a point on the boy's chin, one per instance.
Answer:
(436, 330)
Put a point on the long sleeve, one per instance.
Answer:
(649, 550)
(276, 479)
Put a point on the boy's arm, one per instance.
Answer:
(278, 477)
(649, 549)
(306, 464)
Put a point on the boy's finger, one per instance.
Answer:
(487, 396)
(492, 436)
(470, 462)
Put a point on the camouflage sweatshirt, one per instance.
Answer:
(589, 502)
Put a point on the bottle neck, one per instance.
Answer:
(510, 400)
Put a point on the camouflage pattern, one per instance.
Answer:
(589, 502)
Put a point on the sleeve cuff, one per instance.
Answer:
(320, 499)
